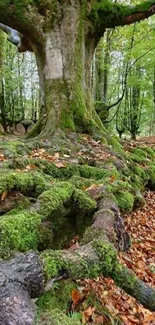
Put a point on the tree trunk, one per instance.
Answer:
(64, 66)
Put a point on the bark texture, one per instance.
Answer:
(20, 280)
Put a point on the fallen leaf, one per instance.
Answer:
(76, 296)
(4, 195)
(60, 165)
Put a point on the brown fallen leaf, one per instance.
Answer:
(4, 195)
(76, 296)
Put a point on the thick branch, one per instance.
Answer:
(21, 17)
(13, 37)
(113, 14)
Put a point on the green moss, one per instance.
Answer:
(125, 200)
(52, 263)
(107, 13)
(81, 182)
(77, 267)
(19, 232)
(150, 152)
(125, 279)
(61, 173)
(139, 171)
(97, 173)
(138, 155)
(45, 236)
(83, 201)
(14, 148)
(52, 201)
(27, 182)
(107, 256)
(115, 144)
(150, 171)
(58, 297)
(57, 317)
(90, 234)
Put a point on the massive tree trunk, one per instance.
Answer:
(64, 38)
(64, 66)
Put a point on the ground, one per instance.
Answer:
(42, 180)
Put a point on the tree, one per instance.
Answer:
(64, 40)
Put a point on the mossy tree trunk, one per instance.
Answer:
(64, 66)
(64, 35)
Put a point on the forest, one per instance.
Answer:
(77, 162)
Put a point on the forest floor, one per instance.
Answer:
(105, 298)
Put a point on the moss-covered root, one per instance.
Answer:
(19, 232)
(127, 280)
(61, 199)
(109, 221)
(97, 257)
(29, 183)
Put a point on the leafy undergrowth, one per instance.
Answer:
(102, 301)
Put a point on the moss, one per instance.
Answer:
(81, 182)
(27, 182)
(78, 267)
(57, 317)
(139, 200)
(45, 236)
(52, 263)
(52, 201)
(150, 171)
(138, 155)
(112, 268)
(115, 144)
(90, 234)
(83, 201)
(125, 200)
(109, 14)
(125, 279)
(98, 173)
(150, 152)
(139, 171)
(120, 184)
(107, 256)
(19, 232)
(14, 148)
(61, 173)
(58, 297)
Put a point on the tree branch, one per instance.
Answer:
(110, 15)
(20, 17)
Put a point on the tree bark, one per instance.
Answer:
(20, 280)
(64, 66)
